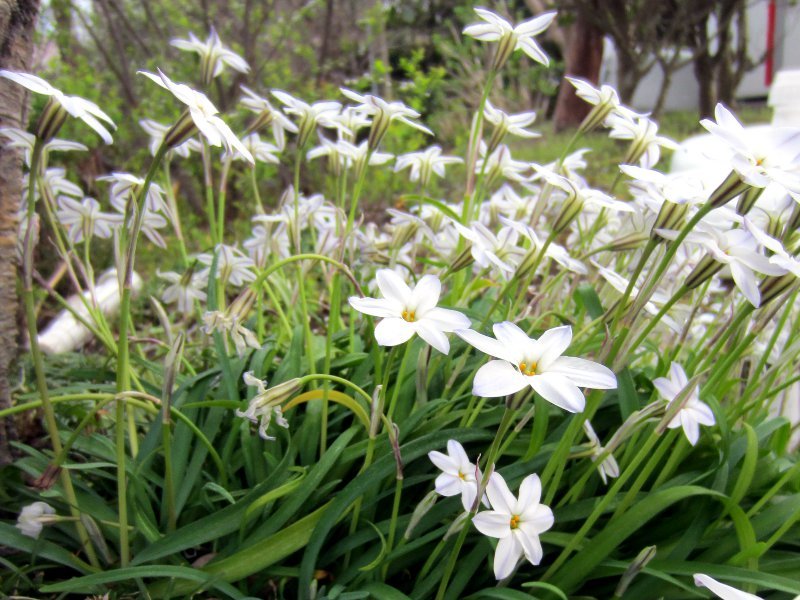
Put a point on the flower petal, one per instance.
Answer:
(377, 307)
(492, 523)
(425, 294)
(558, 390)
(443, 462)
(500, 496)
(508, 553)
(530, 491)
(725, 592)
(448, 485)
(393, 331)
(434, 336)
(446, 319)
(584, 373)
(531, 545)
(393, 287)
(498, 378)
(552, 344)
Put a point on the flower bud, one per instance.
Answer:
(420, 511)
(376, 411)
(728, 190)
(464, 259)
(571, 208)
(457, 525)
(636, 567)
(528, 263)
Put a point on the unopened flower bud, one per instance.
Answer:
(728, 190)
(420, 511)
(528, 263)
(376, 411)
(456, 525)
(636, 567)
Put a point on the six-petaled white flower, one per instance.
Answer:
(524, 361)
(721, 590)
(515, 522)
(407, 311)
(214, 57)
(511, 38)
(693, 411)
(459, 476)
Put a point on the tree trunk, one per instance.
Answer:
(17, 23)
(583, 57)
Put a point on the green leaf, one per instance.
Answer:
(580, 566)
(383, 591)
(89, 584)
(589, 298)
(13, 538)
(628, 398)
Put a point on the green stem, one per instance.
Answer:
(38, 362)
(398, 490)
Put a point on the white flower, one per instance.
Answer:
(263, 407)
(33, 517)
(500, 162)
(760, 156)
(213, 55)
(203, 114)
(185, 289)
(22, 139)
(645, 145)
(232, 266)
(268, 115)
(511, 124)
(84, 219)
(158, 132)
(608, 467)
(488, 249)
(383, 113)
(458, 475)
(260, 150)
(537, 363)
(510, 38)
(125, 184)
(605, 97)
(406, 311)
(80, 108)
(309, 116)
(151, 221)
(781, 258)
(516, 522)
(721, 590)
(693, 413)
(422, 164)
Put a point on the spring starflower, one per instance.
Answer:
(693, 413)
(214, 57)
(425, 163)
(407, 311)
(524, 361)
(265, 405)
(77, 107)
(510, 38)
(203, 114)
(383, 113)
(459, 475)
(516, 522)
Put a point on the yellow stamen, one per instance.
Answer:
(462, 476)
(527, 369)
(514, 521)
(409, 315)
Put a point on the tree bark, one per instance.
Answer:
(17, 23)
(583, 58)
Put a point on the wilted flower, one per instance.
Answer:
(33, 518)
(608, 467)
(266, 404)
(406, 311)
(516, 522)
(59, 106)
(537, 363)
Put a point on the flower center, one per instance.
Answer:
(409, 315)
(514, 523)
(461, 476)
(528, 369)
